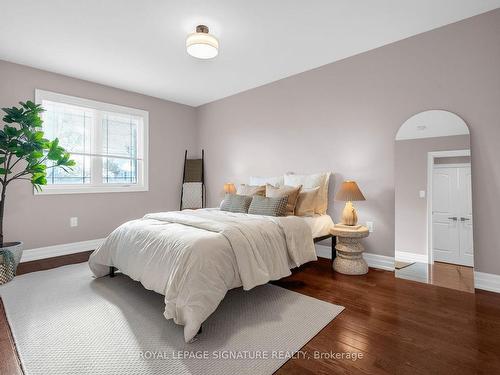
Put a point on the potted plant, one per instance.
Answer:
(24, 155)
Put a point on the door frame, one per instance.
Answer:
(431, 155)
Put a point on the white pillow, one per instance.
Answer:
(311, 181)
(259, 181)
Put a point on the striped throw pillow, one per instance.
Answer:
(268, 206)
(236, 203)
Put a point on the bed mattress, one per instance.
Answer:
(320, 224)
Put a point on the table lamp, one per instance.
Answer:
(229, 188)
(349, 192)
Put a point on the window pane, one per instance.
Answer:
(106, 141)
(119, 171)
(70, 124)
(119, 135)
(79, 175)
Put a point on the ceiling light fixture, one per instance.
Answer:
(201, 44)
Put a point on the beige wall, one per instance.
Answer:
(410, 176)
(341, 117)
(44, 220)
(344, 117)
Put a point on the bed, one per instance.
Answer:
(193, 257)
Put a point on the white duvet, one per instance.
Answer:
(194, 257)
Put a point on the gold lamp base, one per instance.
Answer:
(349, 216)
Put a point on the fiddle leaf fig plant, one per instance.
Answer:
(25, 153)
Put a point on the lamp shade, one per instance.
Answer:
(201, 44)
(349, 191)
(229, 188)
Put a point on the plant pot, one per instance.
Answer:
(10, 256)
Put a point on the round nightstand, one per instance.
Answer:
(349, 259)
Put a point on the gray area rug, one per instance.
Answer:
(64, 321)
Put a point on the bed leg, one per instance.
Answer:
(111, 271)
(334, 243)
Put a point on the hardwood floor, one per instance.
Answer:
(446, 275)
(45, 264)
(9, 361)
(399, 326)
(452, 276)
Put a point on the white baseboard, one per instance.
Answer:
(382, 262)
(487, 281)
(404, 256)
(58, 250)
(374, 260)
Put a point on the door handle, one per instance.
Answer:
(454, 218)
(464, 219)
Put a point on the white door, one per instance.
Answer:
(452, 215)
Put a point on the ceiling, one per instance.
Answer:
(139, 45)
(431, 124)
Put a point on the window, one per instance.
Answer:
(108, 142)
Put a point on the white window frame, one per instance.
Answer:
(41, 95)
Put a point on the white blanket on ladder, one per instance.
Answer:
(192, 195)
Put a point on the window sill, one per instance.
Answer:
(65, 189)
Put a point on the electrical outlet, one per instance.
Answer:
(73, 222)
(369, 225)
(421, 193)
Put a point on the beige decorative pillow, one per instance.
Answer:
(250, 190)
(306, 202)
(291, 192)
(311, 181)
